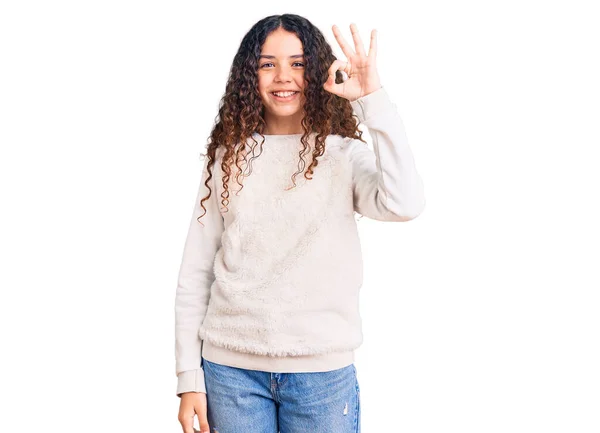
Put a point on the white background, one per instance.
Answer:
(481, 315)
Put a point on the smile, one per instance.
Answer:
(285, 99)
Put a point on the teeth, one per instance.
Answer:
(284, 94)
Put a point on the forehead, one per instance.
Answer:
(282, 44)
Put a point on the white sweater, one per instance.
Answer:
(273, 283)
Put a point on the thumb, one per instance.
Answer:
(330, 84)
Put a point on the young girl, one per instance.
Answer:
(267, 312)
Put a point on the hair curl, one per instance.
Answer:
(241, 109)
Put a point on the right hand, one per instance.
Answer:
(192, 404)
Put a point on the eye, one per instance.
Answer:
(295, 63)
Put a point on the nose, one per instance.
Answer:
(283, 74)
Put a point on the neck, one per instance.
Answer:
(287, 125)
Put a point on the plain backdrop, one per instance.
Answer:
(481, 315)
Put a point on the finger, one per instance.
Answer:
(373, 45)
(330, 85)
(343, 44)
(336, 66)
(341, 65)
(202, 412)
(188, 427)
(360, 49)
(203, 423)
(187, 423)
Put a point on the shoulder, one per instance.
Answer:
(351, 144)
(338, 141)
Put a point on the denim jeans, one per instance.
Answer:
(240, 400)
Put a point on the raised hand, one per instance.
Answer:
(360, 67)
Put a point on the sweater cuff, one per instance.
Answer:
(191, 381)
(372, 104)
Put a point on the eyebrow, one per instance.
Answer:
(266, 56)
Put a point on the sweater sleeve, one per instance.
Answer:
(195, 278)
(386, 184)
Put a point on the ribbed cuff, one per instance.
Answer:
(372, 104)
(191, 381)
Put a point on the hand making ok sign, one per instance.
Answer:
(360, 67)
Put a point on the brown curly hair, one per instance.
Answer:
(241, 109)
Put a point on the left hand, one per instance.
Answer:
(360, 67)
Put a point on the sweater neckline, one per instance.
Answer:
(282, 135)
(275, 136)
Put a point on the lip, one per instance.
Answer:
(288, 99)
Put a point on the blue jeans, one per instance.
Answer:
(240, 400)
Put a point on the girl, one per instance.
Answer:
(266, 311)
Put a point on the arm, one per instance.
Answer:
(193, 287)
(386, 185)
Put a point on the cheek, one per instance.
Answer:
(262, 89)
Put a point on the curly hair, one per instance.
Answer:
(241, 111)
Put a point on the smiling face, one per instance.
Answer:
(281, 68)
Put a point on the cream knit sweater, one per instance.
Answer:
(273, 283)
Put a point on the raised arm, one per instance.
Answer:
(386, 184)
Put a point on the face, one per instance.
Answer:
(281, 68)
